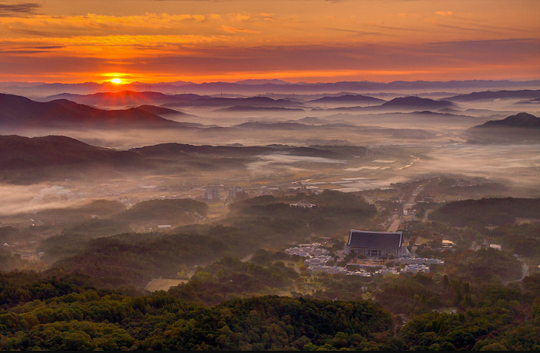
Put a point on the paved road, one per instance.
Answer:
(395, 225)
(406, 209)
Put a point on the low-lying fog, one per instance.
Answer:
(402, 146)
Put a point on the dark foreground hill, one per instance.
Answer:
(25, 160)
(521, 127)
(21, 112)
(17, 152)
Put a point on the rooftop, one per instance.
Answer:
(376, 240)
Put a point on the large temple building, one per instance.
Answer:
(376, 244)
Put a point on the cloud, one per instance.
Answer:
(353, 31)
(22, 8)
(230, 29)
(445, 13)
(466, 28)
(33, 32)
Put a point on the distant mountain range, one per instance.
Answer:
(530, 101)
(238, 102)
(401, 103)
(259, 86)
(132, 98)
(21, 112)
(416, 102)
(348, 98)
(240, 108)
(492, 95)
(125, 98)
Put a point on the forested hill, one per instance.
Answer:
(486, 212)
(88, 319)
(67, 313)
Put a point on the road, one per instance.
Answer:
(395, 225)
(412, 200)
(524, 272)
(406, 209)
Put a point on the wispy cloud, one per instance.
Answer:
(22, 8)
(230, 29)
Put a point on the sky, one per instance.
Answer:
(294, 40)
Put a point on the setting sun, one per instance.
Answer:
(116, 80)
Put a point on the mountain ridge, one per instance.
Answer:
(18, 111)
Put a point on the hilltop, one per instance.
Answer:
(349, 98)
(20, 112)
(424, 103)
(491, 95)
(17, 152)
(522, 127)
(521, 120)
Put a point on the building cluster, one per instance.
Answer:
(313, 250)
(419, 261)
(374, 245)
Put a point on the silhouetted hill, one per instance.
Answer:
(235, 102)
(255, 125)
(521, 127)
(349, 98)
(416, 102)
(491, 95)
(311, 120)
(159, 110)
(401, 103)
(521, 120)
(262, 82)
(123, 98)
(530, 101)
(21, 112)
(18, 152)
(132, 98)
(239, 108)
(171, 149)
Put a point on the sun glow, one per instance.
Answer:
(116, 81)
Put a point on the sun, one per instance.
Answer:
(116, 80)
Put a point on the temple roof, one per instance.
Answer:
(375, 240)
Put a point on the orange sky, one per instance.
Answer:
(294, 40)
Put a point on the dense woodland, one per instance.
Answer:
(486, 212)
(135, 258)
(67, 312)
(93, 297)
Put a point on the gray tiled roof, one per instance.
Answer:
(375, 240)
